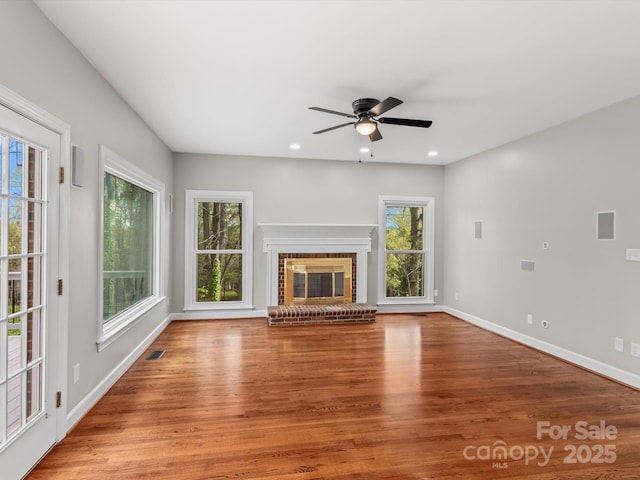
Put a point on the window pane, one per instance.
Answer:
(15, 359)
(35, 176)
(35, 241)
(405, 275)
(34, 391)
(34, 334)
(14, 404)
(16, 162)
(14, 287)
(15, 226)
(219, 278)
(128, 245)
(404, 228)
(219, 226)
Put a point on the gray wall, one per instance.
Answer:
(40, 65)
(548, 187)
(294, 190)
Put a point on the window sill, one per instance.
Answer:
(219, 313)
(128, 320)
(409, 308)
(218, 306)
(406, 301)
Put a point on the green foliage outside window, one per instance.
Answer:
(405, 251)
(219, 252)
(127, 245)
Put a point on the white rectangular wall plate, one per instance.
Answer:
(633, 254)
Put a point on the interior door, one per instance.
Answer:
(29, 191)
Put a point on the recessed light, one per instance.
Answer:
(294, 146)
(365, 150)
(432, 153)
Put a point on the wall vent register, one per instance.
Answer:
(527, 265)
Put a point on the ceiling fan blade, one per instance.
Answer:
(406, 122)
(375, 136)
(333, 128)
(384, 106)
(332, 111)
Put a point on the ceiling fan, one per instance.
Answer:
(365, 111)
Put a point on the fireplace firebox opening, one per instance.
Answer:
(310, 281)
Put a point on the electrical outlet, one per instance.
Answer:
(456, 296)
(618, 344)
(544, 323)
(529, 319)
(635, 349)
(435, 292)
(76, 373)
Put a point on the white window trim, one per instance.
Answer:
(112, 163)
(190, 243)
(428, 204)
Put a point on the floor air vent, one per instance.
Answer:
(155, 355)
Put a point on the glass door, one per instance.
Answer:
(27, 402)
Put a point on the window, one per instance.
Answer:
(219, 246)
(131, 247)
(406, 249)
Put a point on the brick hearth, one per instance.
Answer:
(315, 314)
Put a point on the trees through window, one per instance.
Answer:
(406, 253)
(127, 245)
(131, 244)
(219, 252)
(219, 245)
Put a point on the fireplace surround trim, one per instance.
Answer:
(315, 238)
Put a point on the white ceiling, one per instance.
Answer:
(237, 77)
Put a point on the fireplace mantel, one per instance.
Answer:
(316, 238)
(336, 233)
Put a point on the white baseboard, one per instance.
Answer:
(604, 369)
(98, 392)
(218, 314)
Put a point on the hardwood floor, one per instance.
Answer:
(407, 397)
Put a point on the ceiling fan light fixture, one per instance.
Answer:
(365, 126)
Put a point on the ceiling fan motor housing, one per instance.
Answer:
(363, 105)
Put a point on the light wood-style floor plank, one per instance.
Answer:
(408, 397)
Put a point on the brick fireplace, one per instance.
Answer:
(326, 249)
(291, 265)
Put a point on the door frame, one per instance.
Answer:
(24, 107)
